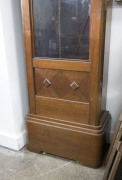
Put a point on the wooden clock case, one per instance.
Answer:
(68, 124)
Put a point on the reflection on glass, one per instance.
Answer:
(61, 28)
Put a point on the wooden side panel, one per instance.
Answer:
(60, 84)
(96, 28)
(96, 6)
(28, 53)
(62, 109)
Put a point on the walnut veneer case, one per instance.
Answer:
(64, 47)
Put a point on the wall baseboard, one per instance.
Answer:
(13, 142)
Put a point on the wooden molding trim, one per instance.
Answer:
(77, 127)
(98, 129)
(62, 64)
(28, 53)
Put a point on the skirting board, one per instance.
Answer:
(13, 142)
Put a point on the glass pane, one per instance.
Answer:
(61, 28)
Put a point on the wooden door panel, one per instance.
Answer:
(62, 109)
(69, 85)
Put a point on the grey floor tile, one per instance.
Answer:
(72, 171)
(25, 165)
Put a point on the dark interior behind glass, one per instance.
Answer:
(61, 28)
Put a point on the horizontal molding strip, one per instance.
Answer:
(62, 100)
(72, 125)
(86, 126)
(62, 64)
(65, 128)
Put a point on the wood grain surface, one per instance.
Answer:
(62, 109)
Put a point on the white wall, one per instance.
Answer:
(13, 85)
(114, 60)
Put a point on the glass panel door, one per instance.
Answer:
(61, 28)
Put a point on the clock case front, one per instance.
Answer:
(64, 50)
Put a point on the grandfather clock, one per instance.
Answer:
(64, 47)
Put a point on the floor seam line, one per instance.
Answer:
(52, 170)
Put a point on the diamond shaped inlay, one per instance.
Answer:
(74, 86)
(60, 84)
(47, 83)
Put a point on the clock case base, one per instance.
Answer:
(79, 142)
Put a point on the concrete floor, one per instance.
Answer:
(25, 165)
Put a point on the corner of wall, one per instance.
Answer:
(13, 86)
(13, 142)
